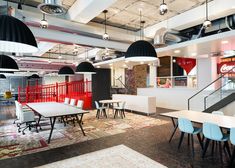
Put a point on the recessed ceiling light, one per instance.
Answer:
(98, 67)
(110, 64)
(177, 51)
(126, 61)
(60, 57)
(194, 54)
(141, 62)
(224, 42)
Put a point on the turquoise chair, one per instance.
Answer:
(232, 140)
(186, 126)
(213, 132)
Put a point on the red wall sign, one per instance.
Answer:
(186, 63)
(225, 67)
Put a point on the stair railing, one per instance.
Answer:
(204, 88)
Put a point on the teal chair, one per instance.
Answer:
(213, 132)
(232, 140)
(186, 126)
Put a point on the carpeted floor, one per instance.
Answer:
(119, 156)
(14, 144)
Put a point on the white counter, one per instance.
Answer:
(173, 98)
(144, 104)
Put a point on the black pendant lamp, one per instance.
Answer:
(15, 36)
(66, 70)
(34, 76)
(2, 76)
(8, 64)
(141, 50)
(85, 68)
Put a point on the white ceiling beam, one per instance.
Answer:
(53, 35)
(84, 11)
(33, 15)
(195, 16)
(44, 47)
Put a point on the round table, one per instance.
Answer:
(110, 102)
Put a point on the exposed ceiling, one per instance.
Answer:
(34, 3)
(126, 13)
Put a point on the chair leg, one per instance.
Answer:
(181, 139)
(115, 113)
(104, 111)
(200, 140)
(205, 147)
(98, 113)
(232, 157)
(212, 147)
(227, 148)
(192, 145)
(220, 152)
(120, 111)
(188, 139)
(124, 113)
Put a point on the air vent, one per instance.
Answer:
(52, 7)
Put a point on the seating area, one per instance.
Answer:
(117, 83)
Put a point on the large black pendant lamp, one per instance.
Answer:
(34, 76)
(141, 50)
(85, 67)
(15, 36)
(8, 64)
(66, 70)
(2, 76)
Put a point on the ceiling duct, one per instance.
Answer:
(163, 37)
(52, 7)
(105, 54)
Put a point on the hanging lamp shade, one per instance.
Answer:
(85, 68)
(141, 50)
(15, 36)
(8, 64)
(66, 70)
(2, 76)
(34, 76)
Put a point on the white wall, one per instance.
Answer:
(152, 76)
(229, 109)
(116, 73)
(177, 98)
(53, 79)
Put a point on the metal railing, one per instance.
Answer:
(209, 85)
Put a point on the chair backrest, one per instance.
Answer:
(122, 105)
(72, 102)
(17, 109)
(25, 116)
(232, 135)
(97, 105)
(80, 104)
(66, 100)
(185, 125)
(212, 131)
(218, 112)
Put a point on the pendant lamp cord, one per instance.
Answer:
(206, 9)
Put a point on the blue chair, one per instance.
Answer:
(213, 132)
(232, 140)
(186, 126)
